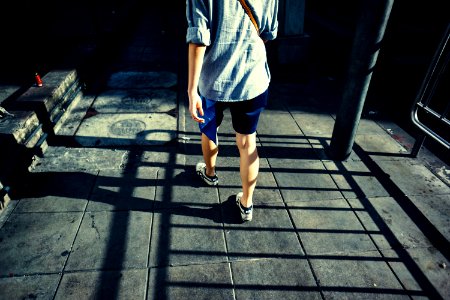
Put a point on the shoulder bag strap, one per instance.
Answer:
(249, 13)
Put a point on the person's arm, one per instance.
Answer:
(269, 26)
(195, 61)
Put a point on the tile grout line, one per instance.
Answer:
(372, 239)
(76, 235)
(228, 260)
(366, 230)
(317, 281)
(148, 268)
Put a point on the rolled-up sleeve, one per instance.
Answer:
(270, 26)
(198, 31)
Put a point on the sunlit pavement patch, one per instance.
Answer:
(127, 129)
(142, 80)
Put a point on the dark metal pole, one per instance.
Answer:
(366, 45)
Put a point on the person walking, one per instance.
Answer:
(228, 69)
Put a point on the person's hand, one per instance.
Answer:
(195, 107)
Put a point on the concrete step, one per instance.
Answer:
(52, 99)
(21, 136)
(34, 117)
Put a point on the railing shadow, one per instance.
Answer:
(225, 216)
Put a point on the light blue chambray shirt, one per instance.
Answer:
(235, 64)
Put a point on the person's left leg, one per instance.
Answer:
(245, 116)
(248, 166)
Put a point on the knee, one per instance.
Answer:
(245, 141)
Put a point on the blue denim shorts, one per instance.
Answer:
(244, 115)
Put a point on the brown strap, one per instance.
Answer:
(249, 13)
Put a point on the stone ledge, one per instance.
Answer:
(21, 137)
(36, 116)
(52, 99)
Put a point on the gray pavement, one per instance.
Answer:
(118, 212)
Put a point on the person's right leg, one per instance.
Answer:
(213, 115)
(210, 151)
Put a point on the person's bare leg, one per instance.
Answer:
(210, 151)
(248, 165)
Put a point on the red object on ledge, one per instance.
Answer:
(38, 79)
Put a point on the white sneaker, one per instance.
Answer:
(201, 172)
(246, 212)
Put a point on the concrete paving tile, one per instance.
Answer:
(111, 241)
(127, 129)
(81, 159)
(273, 124)
(124, 189)
(287, 148)
(367, 126)
(141, 80)
(51, 204)
(183, 187)
(205, 281)
(37, 242)
(388, 224)
(355, 180)
(291, 143)
(55, 191)
(399, 134)
(270, 234)
(187, 234)
(126, 284)
(136, 101)
(436, 208)
(319, 145)
(315, 125)
(322, 148)
(404, 172)
(303, 180)
(329, 227)
(407, 273)
(364, 276)
(266, 190)
(29, 287)
(274, 279)
(378, 143)
(160, 157)
(430, 263)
